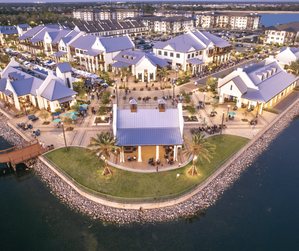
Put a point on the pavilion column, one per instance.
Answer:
(288, 89)
(271, 102)
(139, 154)
(284, 92)
(175, 153)
(280, 95)
(275, 99)
(261, 109)
(122, 156)
(157, 153)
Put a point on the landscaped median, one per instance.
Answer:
(127, 186)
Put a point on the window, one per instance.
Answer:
(231, 87)
(81, 52)
(188, 55)
(200, 52)
(193, 55)
(197, 53)
(160, 52)
(77, 51)
(177, 55)
(171, 54)
(165, 53)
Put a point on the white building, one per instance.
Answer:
(262, 84)
(193, 50)
(287, 55)
(22, 87)
(282, 34)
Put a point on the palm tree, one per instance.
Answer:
(294, 67)
(103, 146)
(163, 72)
(198, 148)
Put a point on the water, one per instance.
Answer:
(274, 19)
(259, 212)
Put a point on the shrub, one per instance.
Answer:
(58, 110)
(136, 81)
(215, 92)
(46, 123)
(120, 87)
(296, 88)
(130, 98)
(187, 99)
(163, 97)
(75, 107)
(155, 80)
(178, 96)
(147, 98)
(156, 88)
(139, 98)
(127, 88)
(148, 88)
(162, 87)
(155, 98)
(141, 89)
(190, 93)
(113, 96)
(124, 97)
(270, 110)
(102, 110)
(67, 121)
(134, 89)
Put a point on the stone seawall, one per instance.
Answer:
(204, 197)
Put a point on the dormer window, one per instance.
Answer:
(132, 58)
(122, 56)
(127, 57)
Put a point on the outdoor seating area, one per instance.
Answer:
(208, 129)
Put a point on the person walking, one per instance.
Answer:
(161, 166)
(157, 168)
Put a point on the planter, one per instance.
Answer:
(191, 119)
(46, 123)
(101, 120)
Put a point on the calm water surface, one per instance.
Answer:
(274, 19)
(259, 212)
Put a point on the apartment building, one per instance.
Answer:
(233, 20)
(193, 50)
(171, 24)
(97, 14)
(282, 34)
(107, 28)
(172, 13)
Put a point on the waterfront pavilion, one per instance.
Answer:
(148, 133)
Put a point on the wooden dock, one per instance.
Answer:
(20, 153)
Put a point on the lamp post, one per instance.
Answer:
(173, 85)
(222, 121)
(204, 98)
(64, 136)
(228, 106)
(116, 92)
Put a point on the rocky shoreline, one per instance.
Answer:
(204, 198)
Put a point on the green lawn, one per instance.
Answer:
(87, 171)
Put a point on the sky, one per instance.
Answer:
(78, 1)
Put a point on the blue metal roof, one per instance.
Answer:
(31, 32)
(23, 87)
(64, 67)
(7, 30)
(147, 118)
(195, 61)
(120, 64)
(148, 136)
(23, 25)
(93, 52)
(57, 90)
(59, 53)
(117, 43)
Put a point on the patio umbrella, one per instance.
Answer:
(105, 85)
(56, 120)
(73, 117)
(84, 105)
(232, 113)
(215, 100)
(213, 110)
(75, 112)
(82, 109)
(57, 113)
(66, 114)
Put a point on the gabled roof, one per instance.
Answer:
(23, 87)
(23, 26)
(219, 42)
(31, 32)
(64, 67)
(7, 30)
(117, 43)
(287, 55)
(293, 27)
(56, 90)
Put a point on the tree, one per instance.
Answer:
(125, 73)
(163, 72)
(44, 115)
(103, 146)
(294, 68)
(198, 148)
(245, 113)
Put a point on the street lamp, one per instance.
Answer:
(86, 96)
(228, 106)
(64, 136)
(222, 121)
(173, 85)
(176, 74)
(204, 98)
(116, 92)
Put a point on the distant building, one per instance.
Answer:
(107, 28)
(171, 24)
(233, 20)
(6, 31)
(193, 50)
(287, 55)
(97, 14)
(172, 13)
(282, 34)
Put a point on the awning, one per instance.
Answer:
(63, 100)
(195, 61)
(59, 53)
(120, 64)
(93, 52)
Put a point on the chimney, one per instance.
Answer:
(133, 105)
(161, 104)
